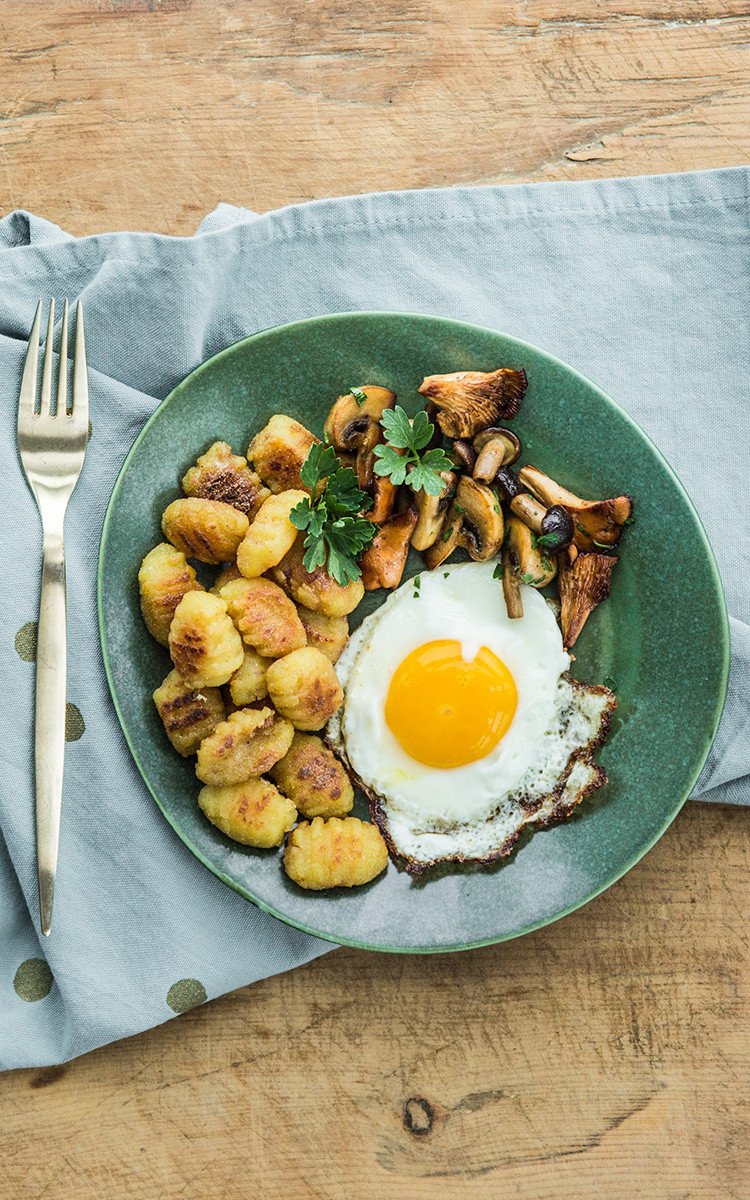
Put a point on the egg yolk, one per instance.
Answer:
(447, 712)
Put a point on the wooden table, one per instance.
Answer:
(603, 1057)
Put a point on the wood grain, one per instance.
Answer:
(606, 1056)
(148, 114)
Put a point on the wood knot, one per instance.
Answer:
(418, 1116)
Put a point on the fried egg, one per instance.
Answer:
(462, 725)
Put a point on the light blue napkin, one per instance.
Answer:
(642, 284)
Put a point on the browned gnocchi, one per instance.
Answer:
(248, 743)
(334, 853)
(327, 634)
(316, 589)
(278, 452)
(221, 475)
(270, 536)
(189, 714)
(265, 617)
(205, 647)
(248, 683)
(303, 687)
(164, 578)
(253, 813)
(204, 529)
(313, 778)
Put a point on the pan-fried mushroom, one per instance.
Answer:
(384, 494)
(384, 559)
(432, 411)
(597, 523)
(531, 563)
(463, 454)
(553, 526)
(511, 587)
(584, 581)
(474, 521)
(431, 512)
(472, 400)
(351, 426)
(495, 448)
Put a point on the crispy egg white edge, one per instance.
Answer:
(570, 773)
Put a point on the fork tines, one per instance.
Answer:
(45, 404)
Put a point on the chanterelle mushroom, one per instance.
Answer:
(597, 523)
(583, 582)
(473, 521)
(384, 559)
(471, 400)
(350, 426)
(431, 510)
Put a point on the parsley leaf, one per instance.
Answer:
(601, 545)
(423, 470)
(498, 572)
(544, 539)
(359, 395)
(334, 536)
(526, 578)
(319, 464)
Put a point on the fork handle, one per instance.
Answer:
(49, 731)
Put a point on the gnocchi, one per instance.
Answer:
(221, 475)
(303, 687)
(164, 578)
(189, 714)
(278, 452)
(204, 529)
(313, 778)
(248, 743)
(253, 813)
(265, 617)
(334, 853)
(205, 647)
(315, 590)
(270, 536)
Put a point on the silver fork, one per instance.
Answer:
(52, 443)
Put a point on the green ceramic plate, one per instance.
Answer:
(662, 635)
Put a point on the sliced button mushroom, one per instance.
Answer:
(530, 563)
(597, 523)
(351, 427)
(431, 511)
(584, 581)
(473, 400)
(474, 521)
(384, 559)
(495, 448)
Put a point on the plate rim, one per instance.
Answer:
(450, 322)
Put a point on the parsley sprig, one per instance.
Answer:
(336, 534)
(423, 469)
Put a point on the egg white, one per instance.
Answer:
(476, 810)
